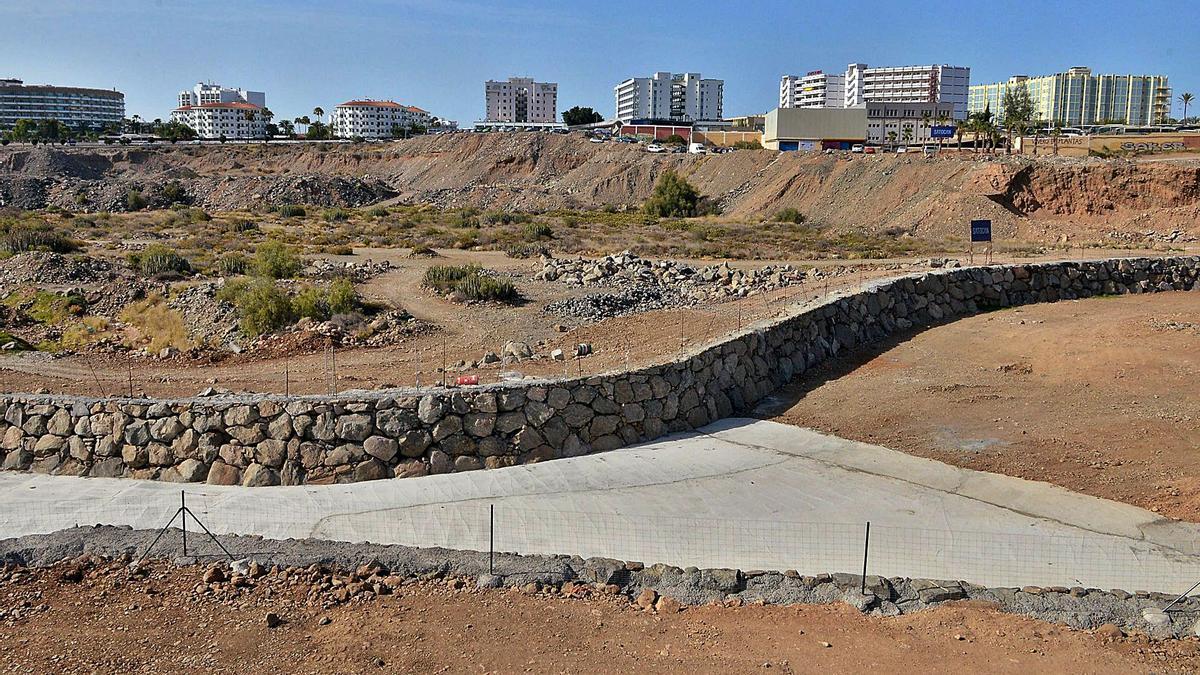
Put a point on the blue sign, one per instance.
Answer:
(981, 230)
(942, 132)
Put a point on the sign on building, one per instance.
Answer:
(942, 132)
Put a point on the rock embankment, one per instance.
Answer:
(269, 440)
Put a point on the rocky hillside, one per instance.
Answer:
(934, 198)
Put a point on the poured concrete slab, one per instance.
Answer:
(742, 493)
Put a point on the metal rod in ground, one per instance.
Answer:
(160, 534)
(443, 360)
(333, 368)
(1185, 593)
(491, 538)
(183, 517)
(130, 364)
(866, 549)
(287, 377)
(211, 535)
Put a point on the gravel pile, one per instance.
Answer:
(337, 572)
(631, 300)
(358, 272)
(37, 267)
(208, 320)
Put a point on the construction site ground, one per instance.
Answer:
(1098, 396)
(463, 332)
(163, 623)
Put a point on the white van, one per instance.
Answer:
(696, 149)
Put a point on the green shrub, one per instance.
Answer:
(422, 249)
(159, 259)
(471, 281)
(232, 264)
(674, 139)
(275, 260)
(335, 215)
(343, 299)
(378, 212)
(22, 237)
(134, 201)
(789, 215)
(312, 303)
(464, 219)
(673, 197)
(262, 306)
(292, 211)
(747, 145)
(240, 225)
(174, 193)
(538, 231)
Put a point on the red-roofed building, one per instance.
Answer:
(377, 119)
(233, 120)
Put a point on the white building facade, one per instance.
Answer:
(908, 84)
(215, 121)
(521, 100)
(905, 123)
(208, 92)
(76, 107)
(377, 119)
(816, 89)
(678, 97)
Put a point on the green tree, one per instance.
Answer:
(287, 127)
(275, 260)
(318, 112)
(176, 131)
(578, 115)
(24, 130)
(1185, 98)
(1018, 112)
(673, 197)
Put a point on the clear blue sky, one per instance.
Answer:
(436, 54)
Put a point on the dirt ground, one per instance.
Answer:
(170, 622)
(464, 332)
(1101, 396)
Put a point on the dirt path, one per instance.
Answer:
(171, 623)
(1101, 396)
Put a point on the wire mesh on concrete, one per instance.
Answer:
(987, 558)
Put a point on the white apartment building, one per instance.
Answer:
(208, 92)
(376, 119)
(521, 100)
(76, 107)
(678, 97)
(816, 89)
(236, 120)
(908, 84)
(905, 123)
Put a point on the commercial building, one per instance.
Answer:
(236, 120)
(909, 84)
(815, 128)
(76, 107)
(905, 123)
(815, 89)
(377, 119)
(674, 97)
(208, 92)
(1078, 97)
(521, 100)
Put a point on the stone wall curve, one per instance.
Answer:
(260, 440)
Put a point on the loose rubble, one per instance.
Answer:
(318, 574)
(356, 271)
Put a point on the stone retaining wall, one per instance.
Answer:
(270, 440)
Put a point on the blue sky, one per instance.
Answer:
(436, 54)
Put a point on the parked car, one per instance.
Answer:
(596, 140)
(901, 149)
(655, 147)
(870, 150)
(679, 149)
(697, 149)
(857, 147)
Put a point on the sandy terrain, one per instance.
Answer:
(171, 623)
(1100, 396)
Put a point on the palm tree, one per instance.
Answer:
(1054, 134)
(318, 112)
(1185, 98)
